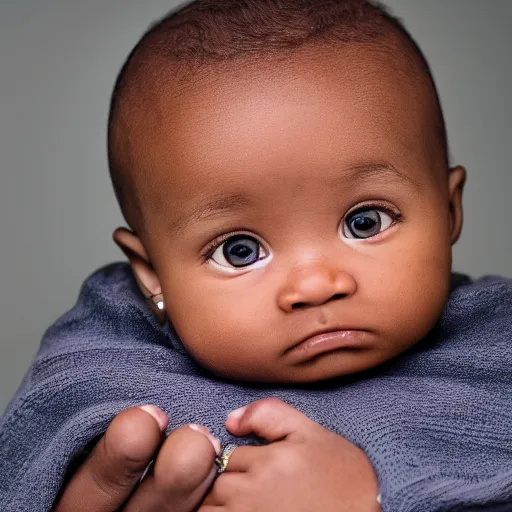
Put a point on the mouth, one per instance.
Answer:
(330, 340)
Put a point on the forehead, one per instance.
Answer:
(243, 129)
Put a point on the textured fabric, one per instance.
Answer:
(436, 423)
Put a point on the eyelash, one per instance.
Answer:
(216, 242)
(383, 207)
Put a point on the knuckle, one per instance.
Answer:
(107, 483)
(281, 461)
(269, 404)
(111, 472)
(261, 412)
(262, 408)
(274, 401)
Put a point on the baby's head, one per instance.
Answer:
(283, 167)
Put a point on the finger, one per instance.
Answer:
(269, 418)
(242, 458)
(183, 472)
(106, 478)
(226, 489)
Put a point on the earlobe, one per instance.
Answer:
(456, 182)
(142, 268)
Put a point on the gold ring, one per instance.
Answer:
(223, 459)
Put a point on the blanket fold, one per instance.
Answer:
(436, 423)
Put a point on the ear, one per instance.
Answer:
(142, 268)
(456, 182)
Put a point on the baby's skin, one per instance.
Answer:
(304, 468)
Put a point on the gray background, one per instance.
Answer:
(58, 61)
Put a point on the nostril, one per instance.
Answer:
(302, 305)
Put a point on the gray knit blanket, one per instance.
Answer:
(436, 423)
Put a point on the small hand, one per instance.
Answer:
(182, 473)
(305, 468)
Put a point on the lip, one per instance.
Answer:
(328, 341)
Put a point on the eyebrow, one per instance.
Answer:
(383, 171)
(211, 209)
(224, 204)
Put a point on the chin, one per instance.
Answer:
(325, 367)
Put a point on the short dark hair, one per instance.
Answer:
(205, 32)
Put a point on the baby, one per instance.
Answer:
(283, 168)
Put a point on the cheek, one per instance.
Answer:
(220, 326)
(414, 285)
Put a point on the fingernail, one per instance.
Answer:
(159, 415)
(215, 442)
(237, 413)
(200, 428)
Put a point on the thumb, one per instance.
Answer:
(270, 419)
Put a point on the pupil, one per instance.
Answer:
(365, 224)
(241, 251)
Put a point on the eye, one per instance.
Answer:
(239, 251)
(365, 223)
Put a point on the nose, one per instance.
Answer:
(314, 286)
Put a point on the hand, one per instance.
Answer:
(182, 473)
(305, 468)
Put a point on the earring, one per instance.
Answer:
(158, 303)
